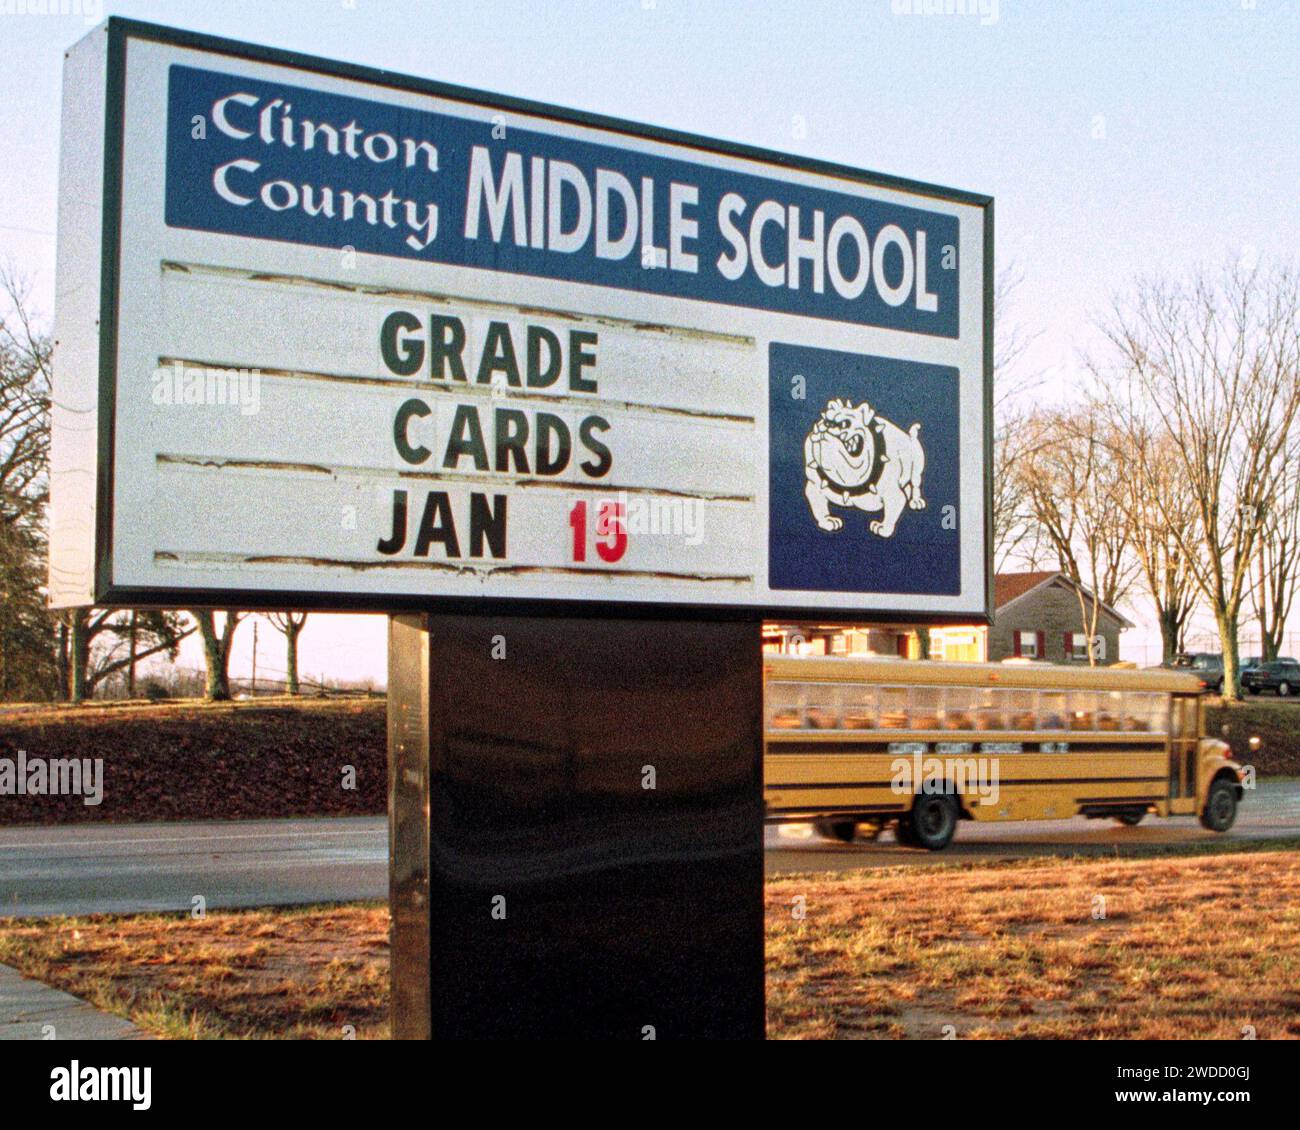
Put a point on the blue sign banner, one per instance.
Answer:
(274, 161)
(863, 474)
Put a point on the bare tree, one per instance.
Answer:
(216, 650)
(27, 635)
(94, 645)
(1211, 366)
(1073, 483)
(1277, 556)
(24, 404)
(1013, 528)
(155, 633)
(291, 624)
(1154, 506)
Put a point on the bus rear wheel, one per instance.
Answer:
(932, 821)
(1130, 819)
(1220, 809)
(842, 830)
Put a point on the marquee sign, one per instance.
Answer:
(338, 338)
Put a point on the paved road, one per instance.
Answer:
(127, 868)
(1272, 811)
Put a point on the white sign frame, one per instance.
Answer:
(120, 262)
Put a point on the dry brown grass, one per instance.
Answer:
(310, 973)
(1191, 947)
(1194, 947)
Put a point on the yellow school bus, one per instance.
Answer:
(857, 744)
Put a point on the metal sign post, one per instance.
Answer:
(586, 795)
(587, 400)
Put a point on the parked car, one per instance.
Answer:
(1282, 676)
(1206, 665)
(1252, 661)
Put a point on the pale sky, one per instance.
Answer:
(1117, 136)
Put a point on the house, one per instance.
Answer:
(1035, 616)
(840, 639)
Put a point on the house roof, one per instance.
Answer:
(1009, 587)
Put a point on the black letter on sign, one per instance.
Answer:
(537, 376)
(548, 426)
(403, 356)
(443, 350)
(489, 522)
(397, 538)
(498, 356)
(601, 464)
(466, 439)
(579, 359)
(404, 449)
(511, 428)
(437, 524)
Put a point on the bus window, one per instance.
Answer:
(784, 706)
(1083, 710)
(858, 709)
(959, 709)
(1021, 714)
(1051, 710)
(893, 708)
(1145, 711)
(991, 712)
(822, 706)
(1110, 715)
(927, 708)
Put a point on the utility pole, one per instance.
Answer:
(253, 689)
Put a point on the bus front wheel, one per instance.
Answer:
(932, 821)
(1220, 806)
(1130, 819)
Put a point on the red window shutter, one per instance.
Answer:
(1069, 645)
(902, 646)
(1015, 644)
(1042, 645)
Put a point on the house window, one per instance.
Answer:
(1028, 645)
(1076, 647)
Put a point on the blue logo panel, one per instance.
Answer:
(269, 160)
(864, 473)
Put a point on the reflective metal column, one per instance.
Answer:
(576, 814)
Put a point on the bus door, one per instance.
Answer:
(1184, 735)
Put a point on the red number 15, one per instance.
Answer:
(610, 529)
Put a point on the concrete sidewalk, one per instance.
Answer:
(30, 1010)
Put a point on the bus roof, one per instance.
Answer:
(824, 668)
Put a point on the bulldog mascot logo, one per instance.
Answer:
(852, 457)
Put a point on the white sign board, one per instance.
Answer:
(337, 338)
